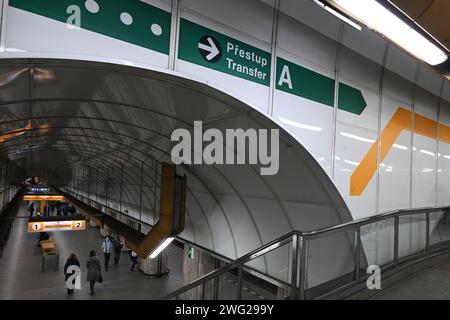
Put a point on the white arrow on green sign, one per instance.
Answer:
(305, 83)
(217, 51)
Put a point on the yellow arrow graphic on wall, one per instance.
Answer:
(401, 120)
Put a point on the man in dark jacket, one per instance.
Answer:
(31, 209)
(117, 250)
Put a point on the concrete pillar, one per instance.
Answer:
(196, 264)
(155, 267)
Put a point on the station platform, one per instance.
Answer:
(21, 276)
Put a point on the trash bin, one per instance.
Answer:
(50, 262)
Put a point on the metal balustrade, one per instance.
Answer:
(399, 221)
(297, 243)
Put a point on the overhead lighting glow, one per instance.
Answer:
(161, 247)
(299, 125)
(353, 163)
(379, 18)
(355, 137)
(429, 153)
(338, 15)
(399, 146)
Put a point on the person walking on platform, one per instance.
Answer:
(107, 248)
(52, 207)
(71, 261)
(31, 209)
(94, 271)
(58, 208)
(134, 259)
(65, 209)
(117, 250)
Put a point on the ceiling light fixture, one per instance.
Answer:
(382, 20)
(338, 15)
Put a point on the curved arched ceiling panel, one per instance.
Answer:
(92, 117)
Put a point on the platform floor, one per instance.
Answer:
(21, 276)
(432, 283)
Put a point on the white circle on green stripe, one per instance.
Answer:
(156, 29)
(92, 6)
(126, 18)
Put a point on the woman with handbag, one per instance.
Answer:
(94, 271)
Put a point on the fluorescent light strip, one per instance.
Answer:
(429, 153)
(343, 18)
(353, 163)
(399, 146)
(355, 137)
(299, 125)
(161, 247)
(377, 17)
(338, 15)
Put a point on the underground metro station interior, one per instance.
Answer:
(224, 150)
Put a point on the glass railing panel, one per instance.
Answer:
(228, 285)
(330, 262)
(377, 241)
(277, 265)
(412, 234)
(439, 227)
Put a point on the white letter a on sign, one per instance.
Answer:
(285, 77)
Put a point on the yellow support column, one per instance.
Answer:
(41, 207)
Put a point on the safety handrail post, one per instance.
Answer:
(396, 236)
(427, 237)
(216, 288)
(294, 253)
(240, 280)
(203, 290)
(303, 260)
(357, 251)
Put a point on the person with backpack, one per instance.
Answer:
(117, 250)
(107, 248)
(134, 259)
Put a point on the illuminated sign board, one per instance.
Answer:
(43, 226)
(40, 198)
(37, 189)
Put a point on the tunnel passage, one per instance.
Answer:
(103, 130)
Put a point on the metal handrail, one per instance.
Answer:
(299, 238)
(235, 263)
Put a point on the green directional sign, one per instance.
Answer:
(132, 21)
(139, 23)
(217, 51)
(311, 85)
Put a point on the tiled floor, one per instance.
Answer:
(430, 284)
(21, 276)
